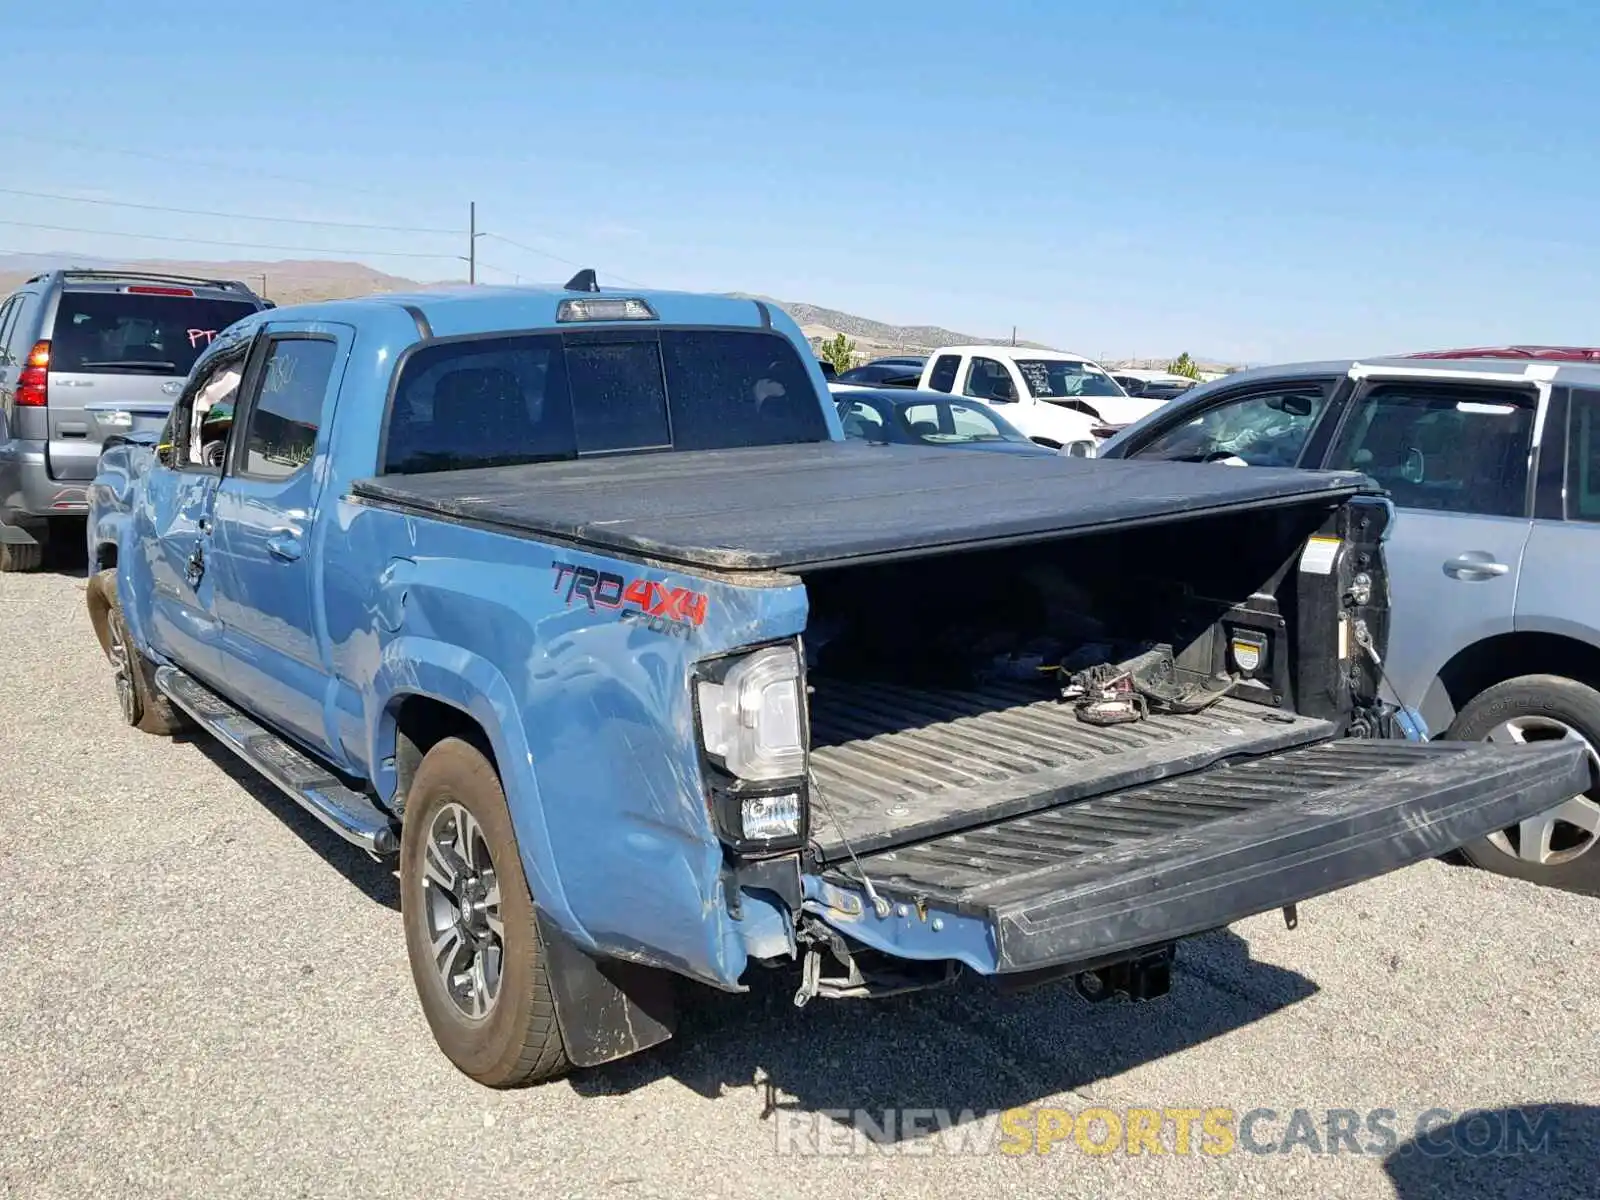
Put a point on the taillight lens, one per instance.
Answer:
(33, 381)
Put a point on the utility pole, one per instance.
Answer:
(472, 242)
(1013, 335)
(263, 278)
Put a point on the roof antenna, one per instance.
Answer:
(583, 281)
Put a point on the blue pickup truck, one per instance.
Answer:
(579, 603)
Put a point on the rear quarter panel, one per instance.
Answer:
(1559, 581)
(590, 712)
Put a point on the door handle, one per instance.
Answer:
(1475, 564)
(284, 544)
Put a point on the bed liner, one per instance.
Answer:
(892, 764)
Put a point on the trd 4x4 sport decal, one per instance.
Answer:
(670, 610)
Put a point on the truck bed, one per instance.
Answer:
(892, 765)
(830, 503)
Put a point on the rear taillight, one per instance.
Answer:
(33, 382)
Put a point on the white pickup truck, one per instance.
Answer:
(1055, 398)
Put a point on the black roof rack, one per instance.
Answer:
(231, 285)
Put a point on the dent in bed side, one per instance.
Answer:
(588, 710)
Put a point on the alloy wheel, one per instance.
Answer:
(1560, 834)
(461, 895)
(122, 670)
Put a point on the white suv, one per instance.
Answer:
(1054, 398)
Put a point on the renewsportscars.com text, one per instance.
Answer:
(1214, 1132)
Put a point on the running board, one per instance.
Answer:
(345, 811)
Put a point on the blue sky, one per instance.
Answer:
(1259, 181)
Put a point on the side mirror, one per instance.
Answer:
(1004, 390)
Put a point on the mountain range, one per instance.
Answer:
(294, 281)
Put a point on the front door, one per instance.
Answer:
(265, 518)
(178, 565)
(1455, 456)
(183, 619)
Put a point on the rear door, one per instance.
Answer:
(119, 355)
(265, 519)
(1455, 453)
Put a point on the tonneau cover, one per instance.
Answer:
(830, 503)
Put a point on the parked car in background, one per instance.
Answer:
(882, 375)
(1493, 459)
(1052, 397)
(83, 355)
(829, 371)
(900, 360)
(932, 419)
(1152, 385)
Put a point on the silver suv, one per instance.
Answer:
(84, 355)
(1494, 464)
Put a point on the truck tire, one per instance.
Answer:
(1561, 848)
(142, 705)
(477, 960)
(21, 556)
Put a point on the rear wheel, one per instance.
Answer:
(476, 956)
(1560, 847)
(21, 556)
(142, 705)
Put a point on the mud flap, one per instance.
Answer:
(606, 1008)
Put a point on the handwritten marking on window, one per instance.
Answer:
(198, 336)
(280, 374)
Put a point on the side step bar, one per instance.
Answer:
(345, 811)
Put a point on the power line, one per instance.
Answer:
(500, 237)
(230, 168)
(205, 212)
(158, 237)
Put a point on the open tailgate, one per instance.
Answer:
(1147, 865)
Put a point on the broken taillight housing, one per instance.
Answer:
(753, 733)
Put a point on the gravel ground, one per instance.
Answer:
(206, 995)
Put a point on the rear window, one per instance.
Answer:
(547, 397)
(123, 333)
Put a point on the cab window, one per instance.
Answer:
(196, 433)
(1263, 429)
(287, 409)
(988, 379)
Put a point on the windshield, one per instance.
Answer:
(548, 397)
(1057, 379)
(121, 333)
(954, 422)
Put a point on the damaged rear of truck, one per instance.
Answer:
(889, 713)
(582, 606)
